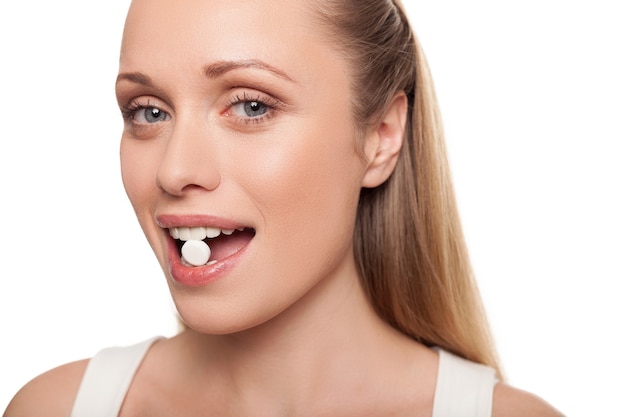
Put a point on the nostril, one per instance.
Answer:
(187, 162)
(179, 185)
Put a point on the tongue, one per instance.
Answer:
(224, 246)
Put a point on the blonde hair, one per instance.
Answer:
(409, 245)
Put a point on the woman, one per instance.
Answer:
(286, 164)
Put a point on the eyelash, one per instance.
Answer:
(130, 110)
(271, 104)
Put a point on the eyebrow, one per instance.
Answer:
(220, 68)
(214, 70)
(135, 77)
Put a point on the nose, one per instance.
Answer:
(188, 161)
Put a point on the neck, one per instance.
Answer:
(329, 341)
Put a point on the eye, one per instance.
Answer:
(149, 115)
(250, 108)
(247, 108)
(143, 114)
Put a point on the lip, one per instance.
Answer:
(201, 275)
(167, 221)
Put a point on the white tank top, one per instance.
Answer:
(464, 388)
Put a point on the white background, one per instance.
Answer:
(533, 96)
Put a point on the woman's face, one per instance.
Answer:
(238, 116)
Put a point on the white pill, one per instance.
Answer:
(196, 252)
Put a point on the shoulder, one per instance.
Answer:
(512, 402)
(50, 394)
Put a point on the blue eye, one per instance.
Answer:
(254, 108)
(143, 114)
(250, 108)
(149, 115)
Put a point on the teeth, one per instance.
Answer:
(211, 232)
(184, 233)
(199, 233)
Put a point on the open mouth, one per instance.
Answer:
(199, 246)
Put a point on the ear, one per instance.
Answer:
(384, 141)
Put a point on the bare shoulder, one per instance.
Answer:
(512, 402)
(50, 394)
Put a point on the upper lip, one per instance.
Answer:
(167, 221)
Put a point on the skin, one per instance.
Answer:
(287, 331)
(301, 184)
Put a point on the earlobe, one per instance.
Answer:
(384, 142)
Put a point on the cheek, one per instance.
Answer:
(138, 164)
(309, 183)
(137, 170)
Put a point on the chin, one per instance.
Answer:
(209, 318)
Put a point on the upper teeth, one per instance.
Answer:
(198, 233)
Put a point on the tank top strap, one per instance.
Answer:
(464, 388)
(107, 379)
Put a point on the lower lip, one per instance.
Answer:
(200, 276)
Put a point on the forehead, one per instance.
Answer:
(205, 30)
